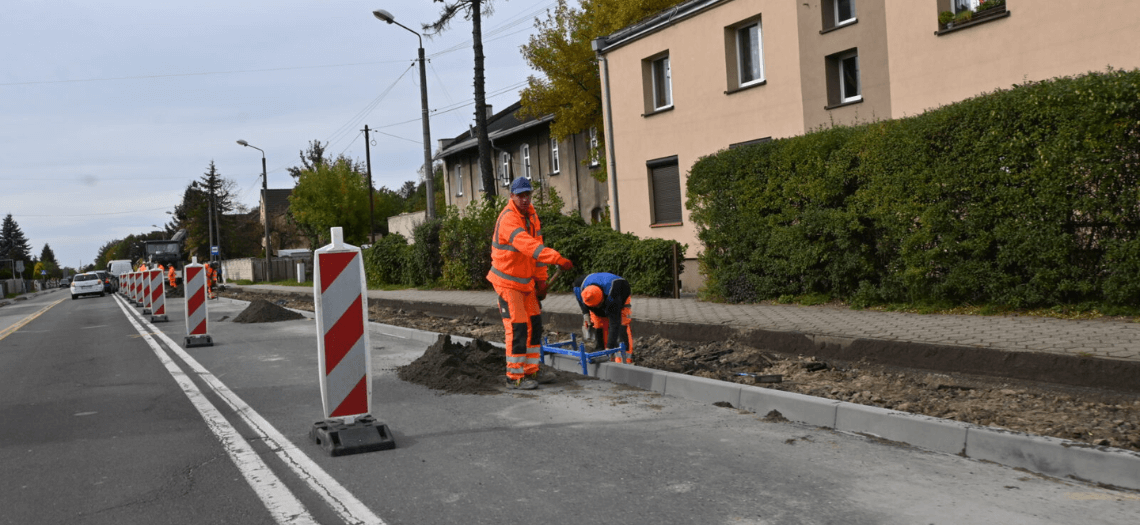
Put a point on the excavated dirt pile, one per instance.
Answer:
(1097, 417)
(473, 368)
(262, 311)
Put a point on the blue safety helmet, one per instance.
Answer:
(520, 185)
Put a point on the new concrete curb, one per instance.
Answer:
(1050, 456)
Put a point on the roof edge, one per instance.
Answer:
(653, 24)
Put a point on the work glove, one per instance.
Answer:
(565, 264)
(540, 289)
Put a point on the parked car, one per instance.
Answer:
(106, 278)
(89, 283)
(65, 282)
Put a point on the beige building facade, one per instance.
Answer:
(712, 74)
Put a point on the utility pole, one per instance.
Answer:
(371, 201)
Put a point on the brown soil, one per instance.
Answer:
(1092, 416)
(473, 368)
(262, 311)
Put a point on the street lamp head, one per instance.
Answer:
(384, 15)
(243, 143)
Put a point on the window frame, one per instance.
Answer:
(854, 16)
(759, 51)
(678, 207)
(524, 152)
(666, 77)
(593, 144)
(555, 159)
(459, 179)
(505, 167)
(841, 64)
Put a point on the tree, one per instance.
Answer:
(193, 215)
(571, 87)
(333, 194)
(310, 159)
(473, 10)
(48, 262)
(13, 244)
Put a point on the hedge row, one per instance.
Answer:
(1021, 197)
(454, 251)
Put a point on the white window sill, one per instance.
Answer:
(840, 25)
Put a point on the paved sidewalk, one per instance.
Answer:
(1116, 340)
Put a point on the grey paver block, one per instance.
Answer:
(796, 407)
(702, 389)
(1055, 457)
(926, 432)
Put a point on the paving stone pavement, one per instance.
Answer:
(1119, 340)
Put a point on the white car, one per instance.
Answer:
(86, 284)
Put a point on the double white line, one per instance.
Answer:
(281, 503)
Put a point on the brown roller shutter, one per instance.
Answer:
(666, 191)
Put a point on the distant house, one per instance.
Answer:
(525, 148)
(707, 75)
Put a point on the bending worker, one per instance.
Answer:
(518, 272)
(604, 300)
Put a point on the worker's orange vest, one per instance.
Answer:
(517, 253)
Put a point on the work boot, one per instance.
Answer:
(524, 383)
(544, 375)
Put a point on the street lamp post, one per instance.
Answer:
(265, 202)
(428, 172)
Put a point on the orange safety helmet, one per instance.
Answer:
(592, 295)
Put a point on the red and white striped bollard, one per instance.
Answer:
(194, 281)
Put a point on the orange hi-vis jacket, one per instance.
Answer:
(518, 256)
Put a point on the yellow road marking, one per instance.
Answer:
(12, 329)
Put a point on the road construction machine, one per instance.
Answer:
(167, 253)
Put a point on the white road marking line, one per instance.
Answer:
(278, 500)
(343, 502)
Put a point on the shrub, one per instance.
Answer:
(386, 262)
(1022, 197)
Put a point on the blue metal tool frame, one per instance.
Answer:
(566, 348)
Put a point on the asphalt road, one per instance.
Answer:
(100, 428)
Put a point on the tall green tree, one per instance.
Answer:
(193, 215)
(310, 159)
(48, 262)
(47, 255)
(570, 86)
(332, 194)
(473, 10)
(13, 244)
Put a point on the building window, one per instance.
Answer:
(749, 55)
(555, 162)
(593, 146)
(458, 180)
(662, 84)
(844, 12)
(525, 152)
(664, 191)
(963, 5)
(843, 78)
(849, 88)
(505, 168)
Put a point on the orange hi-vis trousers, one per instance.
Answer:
(522, 320)
(624, 336)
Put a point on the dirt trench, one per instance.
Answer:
(1097, 417)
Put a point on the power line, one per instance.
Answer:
(95, 214)
(207, 73)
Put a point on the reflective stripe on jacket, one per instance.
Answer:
(517, 253)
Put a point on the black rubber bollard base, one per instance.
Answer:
(159, 318)
(340, 439)
(146, 311)
(199, 340)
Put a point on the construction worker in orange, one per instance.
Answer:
(604, 300)
(211, 276)
(519, 263)
(173, 276)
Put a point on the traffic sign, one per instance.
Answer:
(214, 250)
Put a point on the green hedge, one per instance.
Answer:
(1022, 197)
(454, 252)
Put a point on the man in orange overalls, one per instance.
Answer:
(518, 272)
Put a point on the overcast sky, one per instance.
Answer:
(111, 108)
